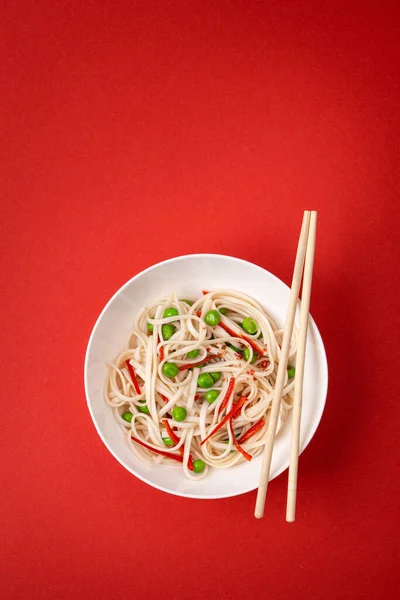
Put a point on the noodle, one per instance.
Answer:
(236, 347)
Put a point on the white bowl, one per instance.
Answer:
(188, 275)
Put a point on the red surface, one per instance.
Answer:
(137, 131)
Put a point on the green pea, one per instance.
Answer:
(127, 416)
(179, 413)
(291, 372)
(249, 325)
(222, 311)
(167, 331)
(193, 353)
(168, 442)
(187, 302)
(143, 408)
(170, 370)
(199, 466)
(205, 380)
(216, 376)
(170, 312)
(150, 327)
(246, 355)
(212, 318)
(211, 396)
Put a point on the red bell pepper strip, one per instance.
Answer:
(176, 441)
(228, 416)
(238, 408)
(250, 432)
(237, 445)
(164, 398)
(252, 343)
(228, 394)
(204, 292)
(206, 359)
(161, 351)
(264, 364)
(133, 377)
(167, 454)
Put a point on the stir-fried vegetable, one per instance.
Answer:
(249, 325)
(198, 364)
(171, 311)
(166, 454)
(237, 445)
(205, 380)
(170, 370)
(143, 408)
(179, 413)
(133, 377)
(212, 318)
(246, 355)
(212, 395)
(199, 465)
(250, 432)
(175, 441)
(228, 394)
(167, 330)
(234, 408)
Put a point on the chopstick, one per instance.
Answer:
(300, 359)
(280, 377)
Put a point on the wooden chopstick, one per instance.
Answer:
(280, 377)
(298, 384)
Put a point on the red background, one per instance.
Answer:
(137, 131)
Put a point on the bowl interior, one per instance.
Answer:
(188, 275)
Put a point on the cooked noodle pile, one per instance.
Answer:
(195, 384)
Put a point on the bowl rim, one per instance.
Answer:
(90, 341)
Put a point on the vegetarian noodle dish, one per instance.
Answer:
(193, 387)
